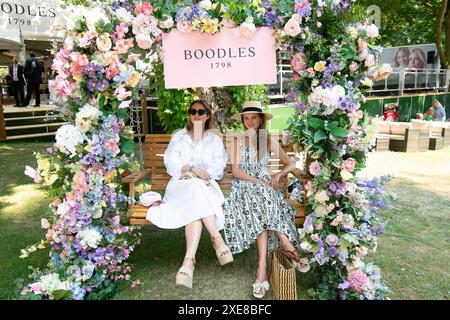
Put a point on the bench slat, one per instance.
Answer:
(154, 148)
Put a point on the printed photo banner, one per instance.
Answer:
(225, 59)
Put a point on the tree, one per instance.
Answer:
(410, 22)
(441, 10)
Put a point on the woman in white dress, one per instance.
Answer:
(195, 158)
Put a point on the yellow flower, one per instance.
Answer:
(134, 79)
(50, 179)
(367, 82)
(210, 26)
(345, 175)
(88, 148)
(41, 245)
(110, 176)
(196, 24)
(43, 164)
(102, 203)
(320, 66)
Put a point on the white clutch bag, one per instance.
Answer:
(148, 198)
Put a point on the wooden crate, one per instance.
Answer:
(382, 144)
(436, 143)
(409, 144)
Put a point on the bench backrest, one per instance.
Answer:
(156, 144)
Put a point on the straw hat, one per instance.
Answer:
(252, 107)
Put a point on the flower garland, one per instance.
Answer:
(99, 70)
(332, 60)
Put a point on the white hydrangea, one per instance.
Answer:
(63, 208)
(87, 117)
(124, 15)
(68, 137)
(89, 237)
(50, 282)
(326, 96)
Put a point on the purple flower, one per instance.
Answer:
(102, 85)
(333, 251)
(92, 84)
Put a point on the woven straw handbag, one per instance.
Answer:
(282, 277)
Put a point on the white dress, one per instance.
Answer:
(187, 200)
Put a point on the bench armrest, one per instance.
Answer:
(133, 178)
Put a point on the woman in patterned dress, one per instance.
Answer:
(255, 210)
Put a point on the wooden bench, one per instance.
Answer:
(154, 148)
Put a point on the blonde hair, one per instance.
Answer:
(395, 63)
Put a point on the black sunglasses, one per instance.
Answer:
(200, 112)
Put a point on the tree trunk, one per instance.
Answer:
(220, 101)
(442, 54)
(447, 36)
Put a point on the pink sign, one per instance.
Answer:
(224, 59)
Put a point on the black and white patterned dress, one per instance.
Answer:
(253, 207)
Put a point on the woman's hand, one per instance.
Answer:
(201, 173)
(277, 181)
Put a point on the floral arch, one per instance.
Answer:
(99, 69)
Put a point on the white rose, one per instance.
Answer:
(205, 4)
(321, 196)
(45, 224)
(372, 31)
(167, 23)
(247, 29)
(103, 42)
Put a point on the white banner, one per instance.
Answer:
(33, 17)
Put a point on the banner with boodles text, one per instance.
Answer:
(225, 59)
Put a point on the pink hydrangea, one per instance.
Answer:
(358, 281)
(315, 168)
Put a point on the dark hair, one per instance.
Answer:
(210, 123)
(261, 126)
(32, 54)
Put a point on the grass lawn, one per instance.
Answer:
(411, 251)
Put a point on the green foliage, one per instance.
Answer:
(405, 22)
(172, 103)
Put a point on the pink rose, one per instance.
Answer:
(362, 48)
(292, 27)
(144, 41)
(299, 62)
(247, 29)
(315, 168)
(228, 23)
(370, 60)
(295, 76)
(382, 72)
(147, 8)
(353, 67)
(37, 288)
(349, 165)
